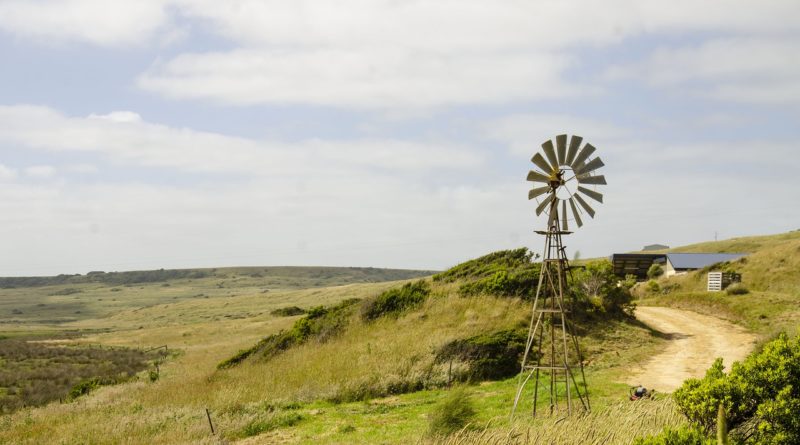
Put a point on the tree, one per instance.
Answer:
(655, 271)
(598, 284)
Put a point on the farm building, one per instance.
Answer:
(673, 263)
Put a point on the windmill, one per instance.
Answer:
(564, 178)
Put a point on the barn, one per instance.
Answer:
(637, 264)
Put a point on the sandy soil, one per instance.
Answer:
(696, 340)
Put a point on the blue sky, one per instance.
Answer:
(177, 133)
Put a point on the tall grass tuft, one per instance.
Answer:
(454, 413)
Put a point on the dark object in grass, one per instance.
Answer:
(489, 356)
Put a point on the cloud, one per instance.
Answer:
(40, 171)
(737, 69)
(99, 22)
(6, 173)
(124, 138)
(379, 77)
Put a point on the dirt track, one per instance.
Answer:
(696, 340)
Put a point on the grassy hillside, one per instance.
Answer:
(47, 303)
(771, 274)
(372, 379)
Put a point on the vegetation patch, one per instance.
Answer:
(759, 399)
(490, 356)
(288, 311)
(506, 273)
(34, 373)
(320, 323)
(396, 300)
(454, 413)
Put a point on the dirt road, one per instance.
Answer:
(696, 340)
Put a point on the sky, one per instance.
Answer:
(383, 133)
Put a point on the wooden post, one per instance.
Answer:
(208, 415)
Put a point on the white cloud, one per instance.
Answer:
(379, 77)
(100, 22)
(740, 69)
(126, 139)
(40, 171)
(118, 116)
(417, 54)
(6, 173)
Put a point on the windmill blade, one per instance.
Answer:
(538, 192)
(564, 215)
(561, 145)
(574, 145)
(575, 212)
(593, 165)
(585, 179)
(588, 149)
(551, 154)
(544, 204)
(537, 177)
(538, 159)
(583, 204)
(591, 193)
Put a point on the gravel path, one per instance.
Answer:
(696, 340)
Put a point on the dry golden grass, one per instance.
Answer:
(614, 424)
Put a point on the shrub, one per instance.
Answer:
(519, 283)
(289, 311)
(452, 414)
(676, 436)
(655, 271)
(490, 356)
(319, 323)
(652, 286)
(760, 395)
(396, 300)
(600, 290)
(736, 289)
(486, 265)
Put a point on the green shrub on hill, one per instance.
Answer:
(289, 311)
(736, 289)
(396, 300)
(506, 273)
(490, 356)
(760, 395)
(320, 323)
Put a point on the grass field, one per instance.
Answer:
(296, 396)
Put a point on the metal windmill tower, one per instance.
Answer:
(553, 361)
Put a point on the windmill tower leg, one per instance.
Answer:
(552, 350)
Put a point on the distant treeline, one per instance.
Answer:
(111, 278)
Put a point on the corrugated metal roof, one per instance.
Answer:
(700, 260)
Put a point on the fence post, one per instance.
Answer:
(208, 415)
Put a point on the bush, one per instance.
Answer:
(520, 283)
(289, 311)
(655, 271)
(490, 356)
(652, 286)
(677, 436)
(396, 300)
(760, 395)
(452, 414)
(600, 290)
(736, 289)
(320, 323)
